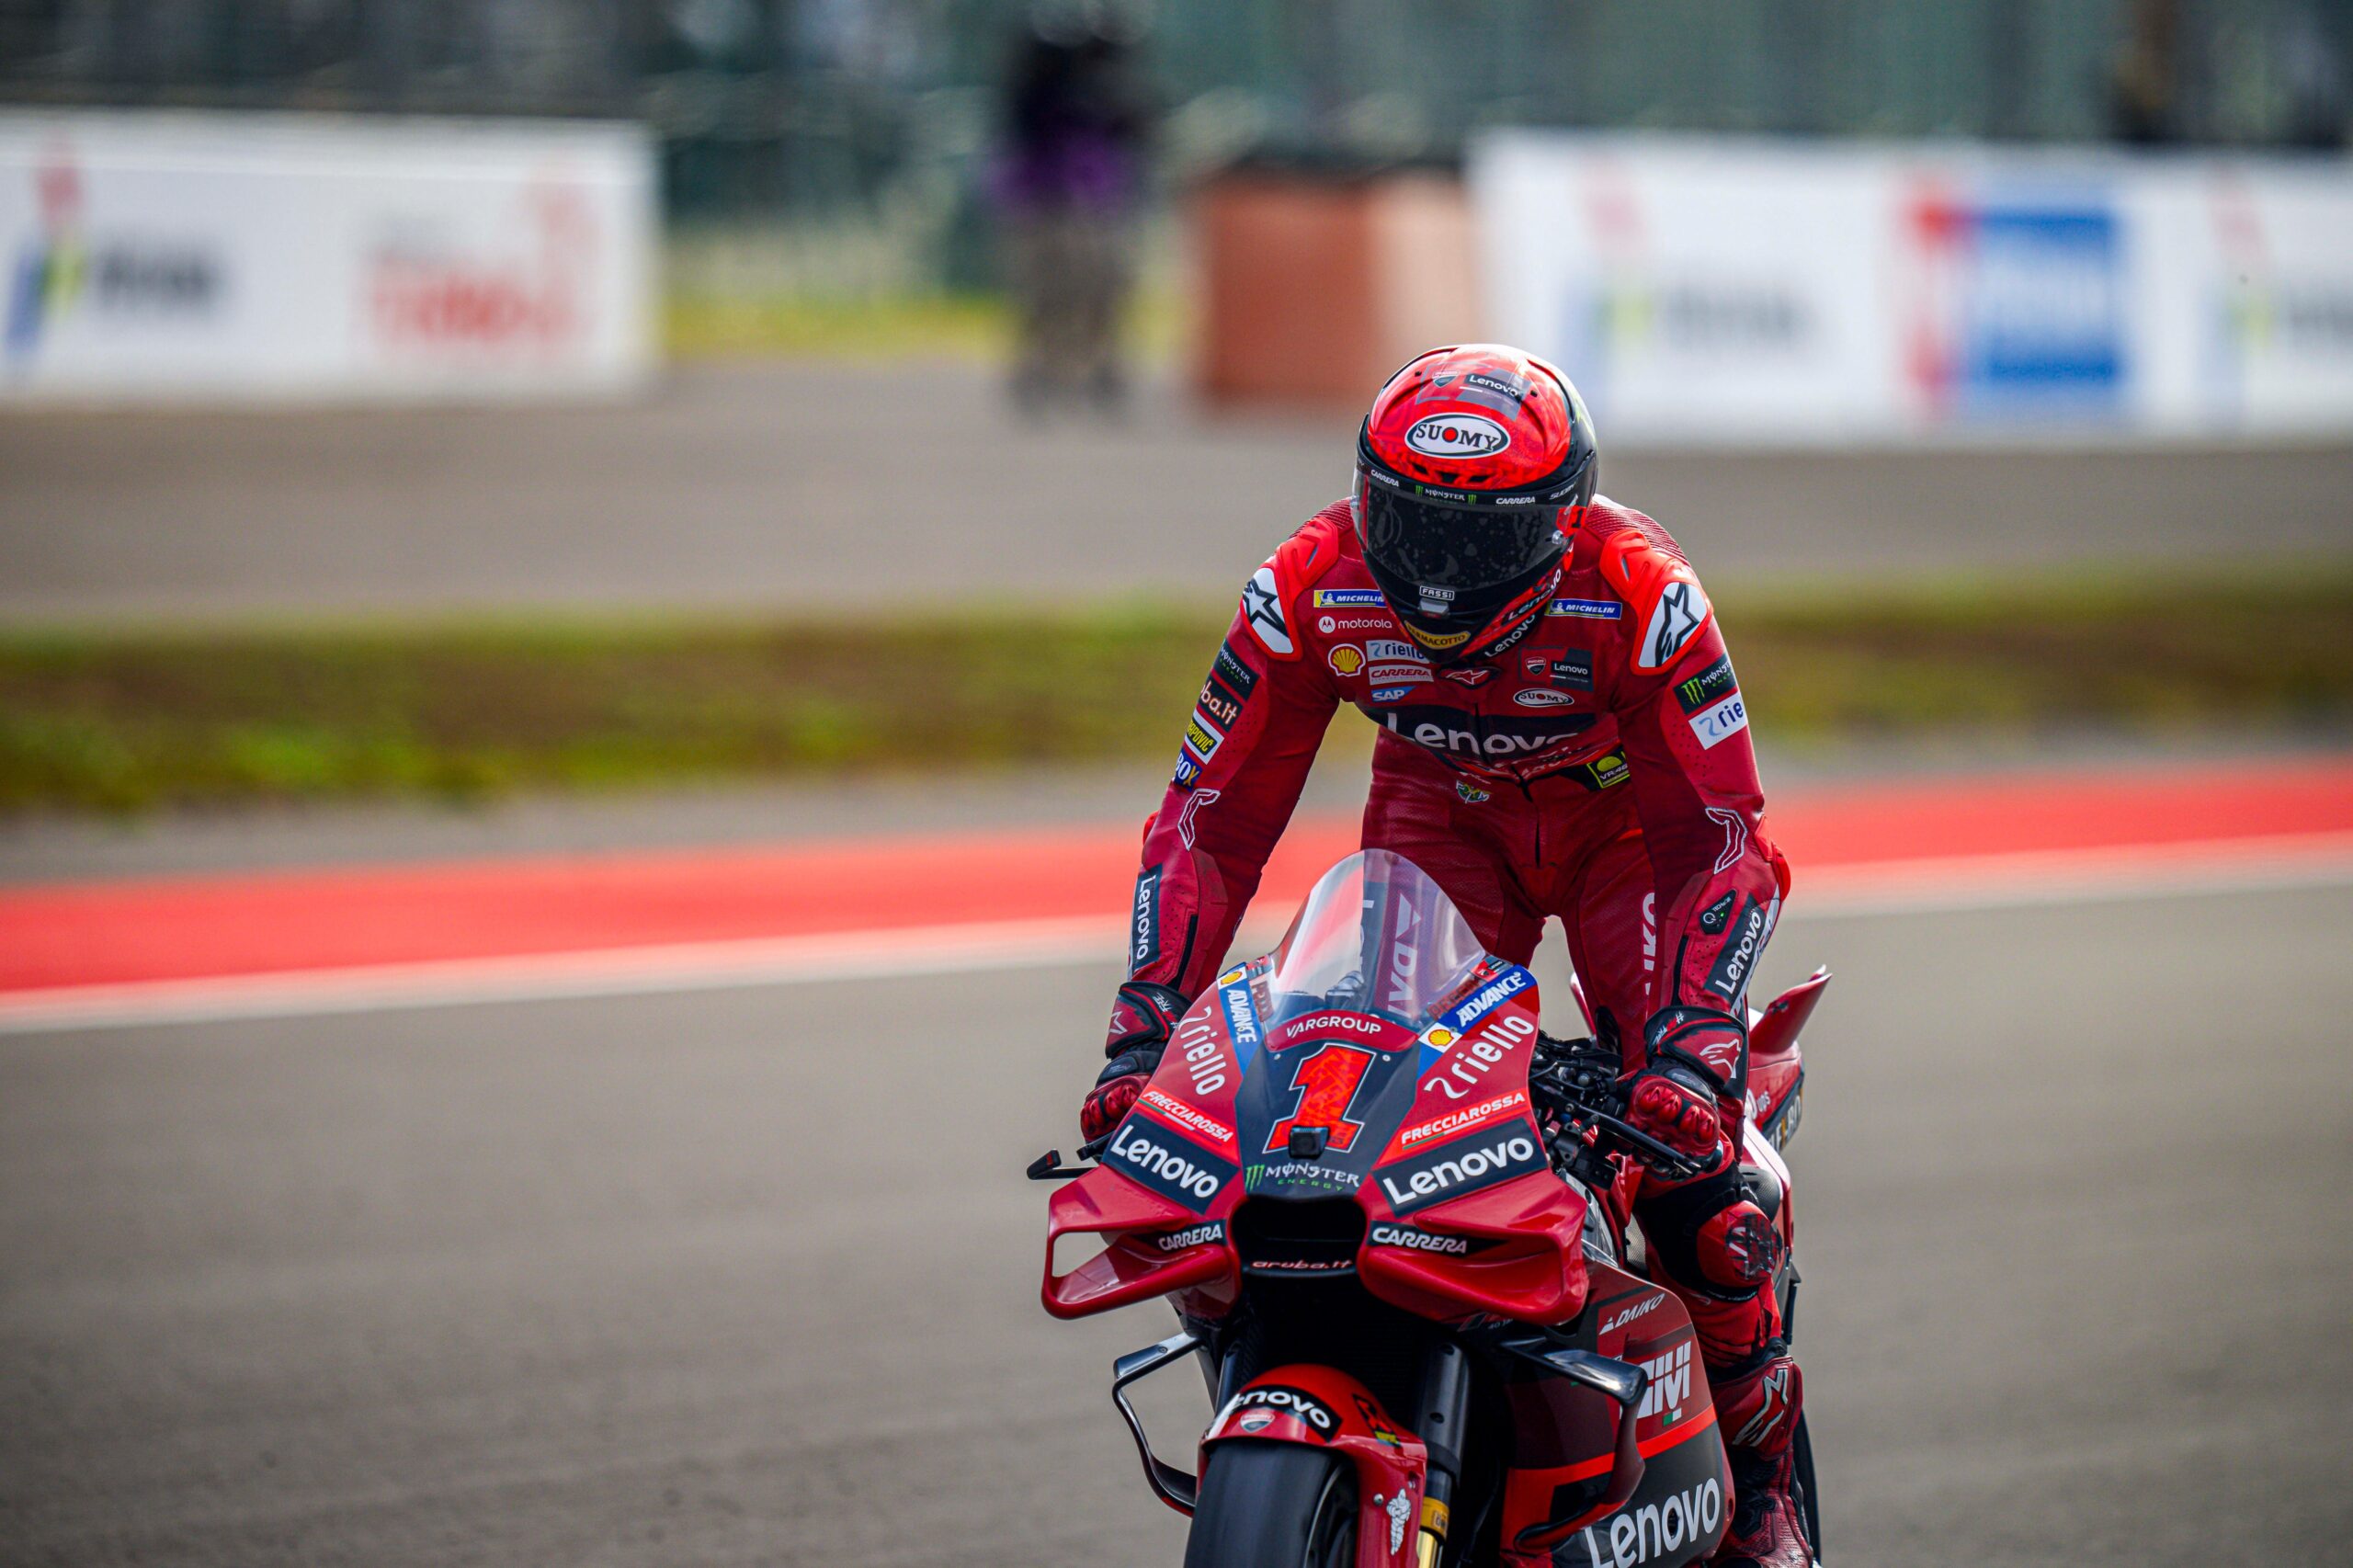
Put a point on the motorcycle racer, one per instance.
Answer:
(1563, 735)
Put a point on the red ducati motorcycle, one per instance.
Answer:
(1395, 1222)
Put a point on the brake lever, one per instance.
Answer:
(1049, 1167)
(1667, 1160)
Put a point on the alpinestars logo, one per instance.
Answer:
(1679, 612)
(1262, 607)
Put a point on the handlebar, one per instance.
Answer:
(1578, 1079)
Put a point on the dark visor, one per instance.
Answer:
(1462, 547)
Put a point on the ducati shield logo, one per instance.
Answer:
(1458, 436)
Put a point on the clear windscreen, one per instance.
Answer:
(1376, 936)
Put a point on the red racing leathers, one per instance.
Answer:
(1597, 770)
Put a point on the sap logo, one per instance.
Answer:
(1281, 1401)
(1411, 1240)
(1198, 1235)
(1670, 1381)
(1458, 436)
(1467, 1063)
(1638, 1535)
(1639, 1309)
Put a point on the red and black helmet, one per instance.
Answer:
(1465, 468)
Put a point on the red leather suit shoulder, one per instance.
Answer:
(1645, 567)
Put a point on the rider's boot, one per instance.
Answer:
(1759, 1410)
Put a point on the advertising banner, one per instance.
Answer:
(1716, 290)
(162, 256)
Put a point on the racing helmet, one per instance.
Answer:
(1468, 469)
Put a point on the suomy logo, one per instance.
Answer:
(1458, 436)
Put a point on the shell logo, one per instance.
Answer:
(1346, 659)
(1440, 1036)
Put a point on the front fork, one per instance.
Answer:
(1444, 1417)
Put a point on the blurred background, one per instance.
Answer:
(591, 592)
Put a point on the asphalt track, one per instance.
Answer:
(749, 1276)
(839, 487)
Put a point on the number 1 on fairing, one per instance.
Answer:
(1327, 1081)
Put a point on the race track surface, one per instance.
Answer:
(837, 487)
(750, 1276)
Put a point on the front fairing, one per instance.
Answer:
(1379, 1022)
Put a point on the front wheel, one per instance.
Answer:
(1274, 1506)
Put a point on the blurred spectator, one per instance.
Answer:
(1077, 120)
(2144, 85)
(2311, 65)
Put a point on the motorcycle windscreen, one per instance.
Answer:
(1376, 937)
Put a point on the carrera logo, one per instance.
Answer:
(1458, 436)
(1175, 1168)
(1464, 1167)
(1460, 1121)
(1187, 1116)
(1197, 1235)
(1411, 1240)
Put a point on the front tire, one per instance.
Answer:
(1274, 1506)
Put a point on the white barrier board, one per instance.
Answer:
(1747, 290)
(215, 255)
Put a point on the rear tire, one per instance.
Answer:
(1274, 1506)
(1809, 1502)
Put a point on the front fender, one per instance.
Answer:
(1324, 1408)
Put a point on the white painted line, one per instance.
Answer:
(1896, 888)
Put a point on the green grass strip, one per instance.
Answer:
(113, 720)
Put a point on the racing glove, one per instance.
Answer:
(1695, 1057)
(1141, 1020)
